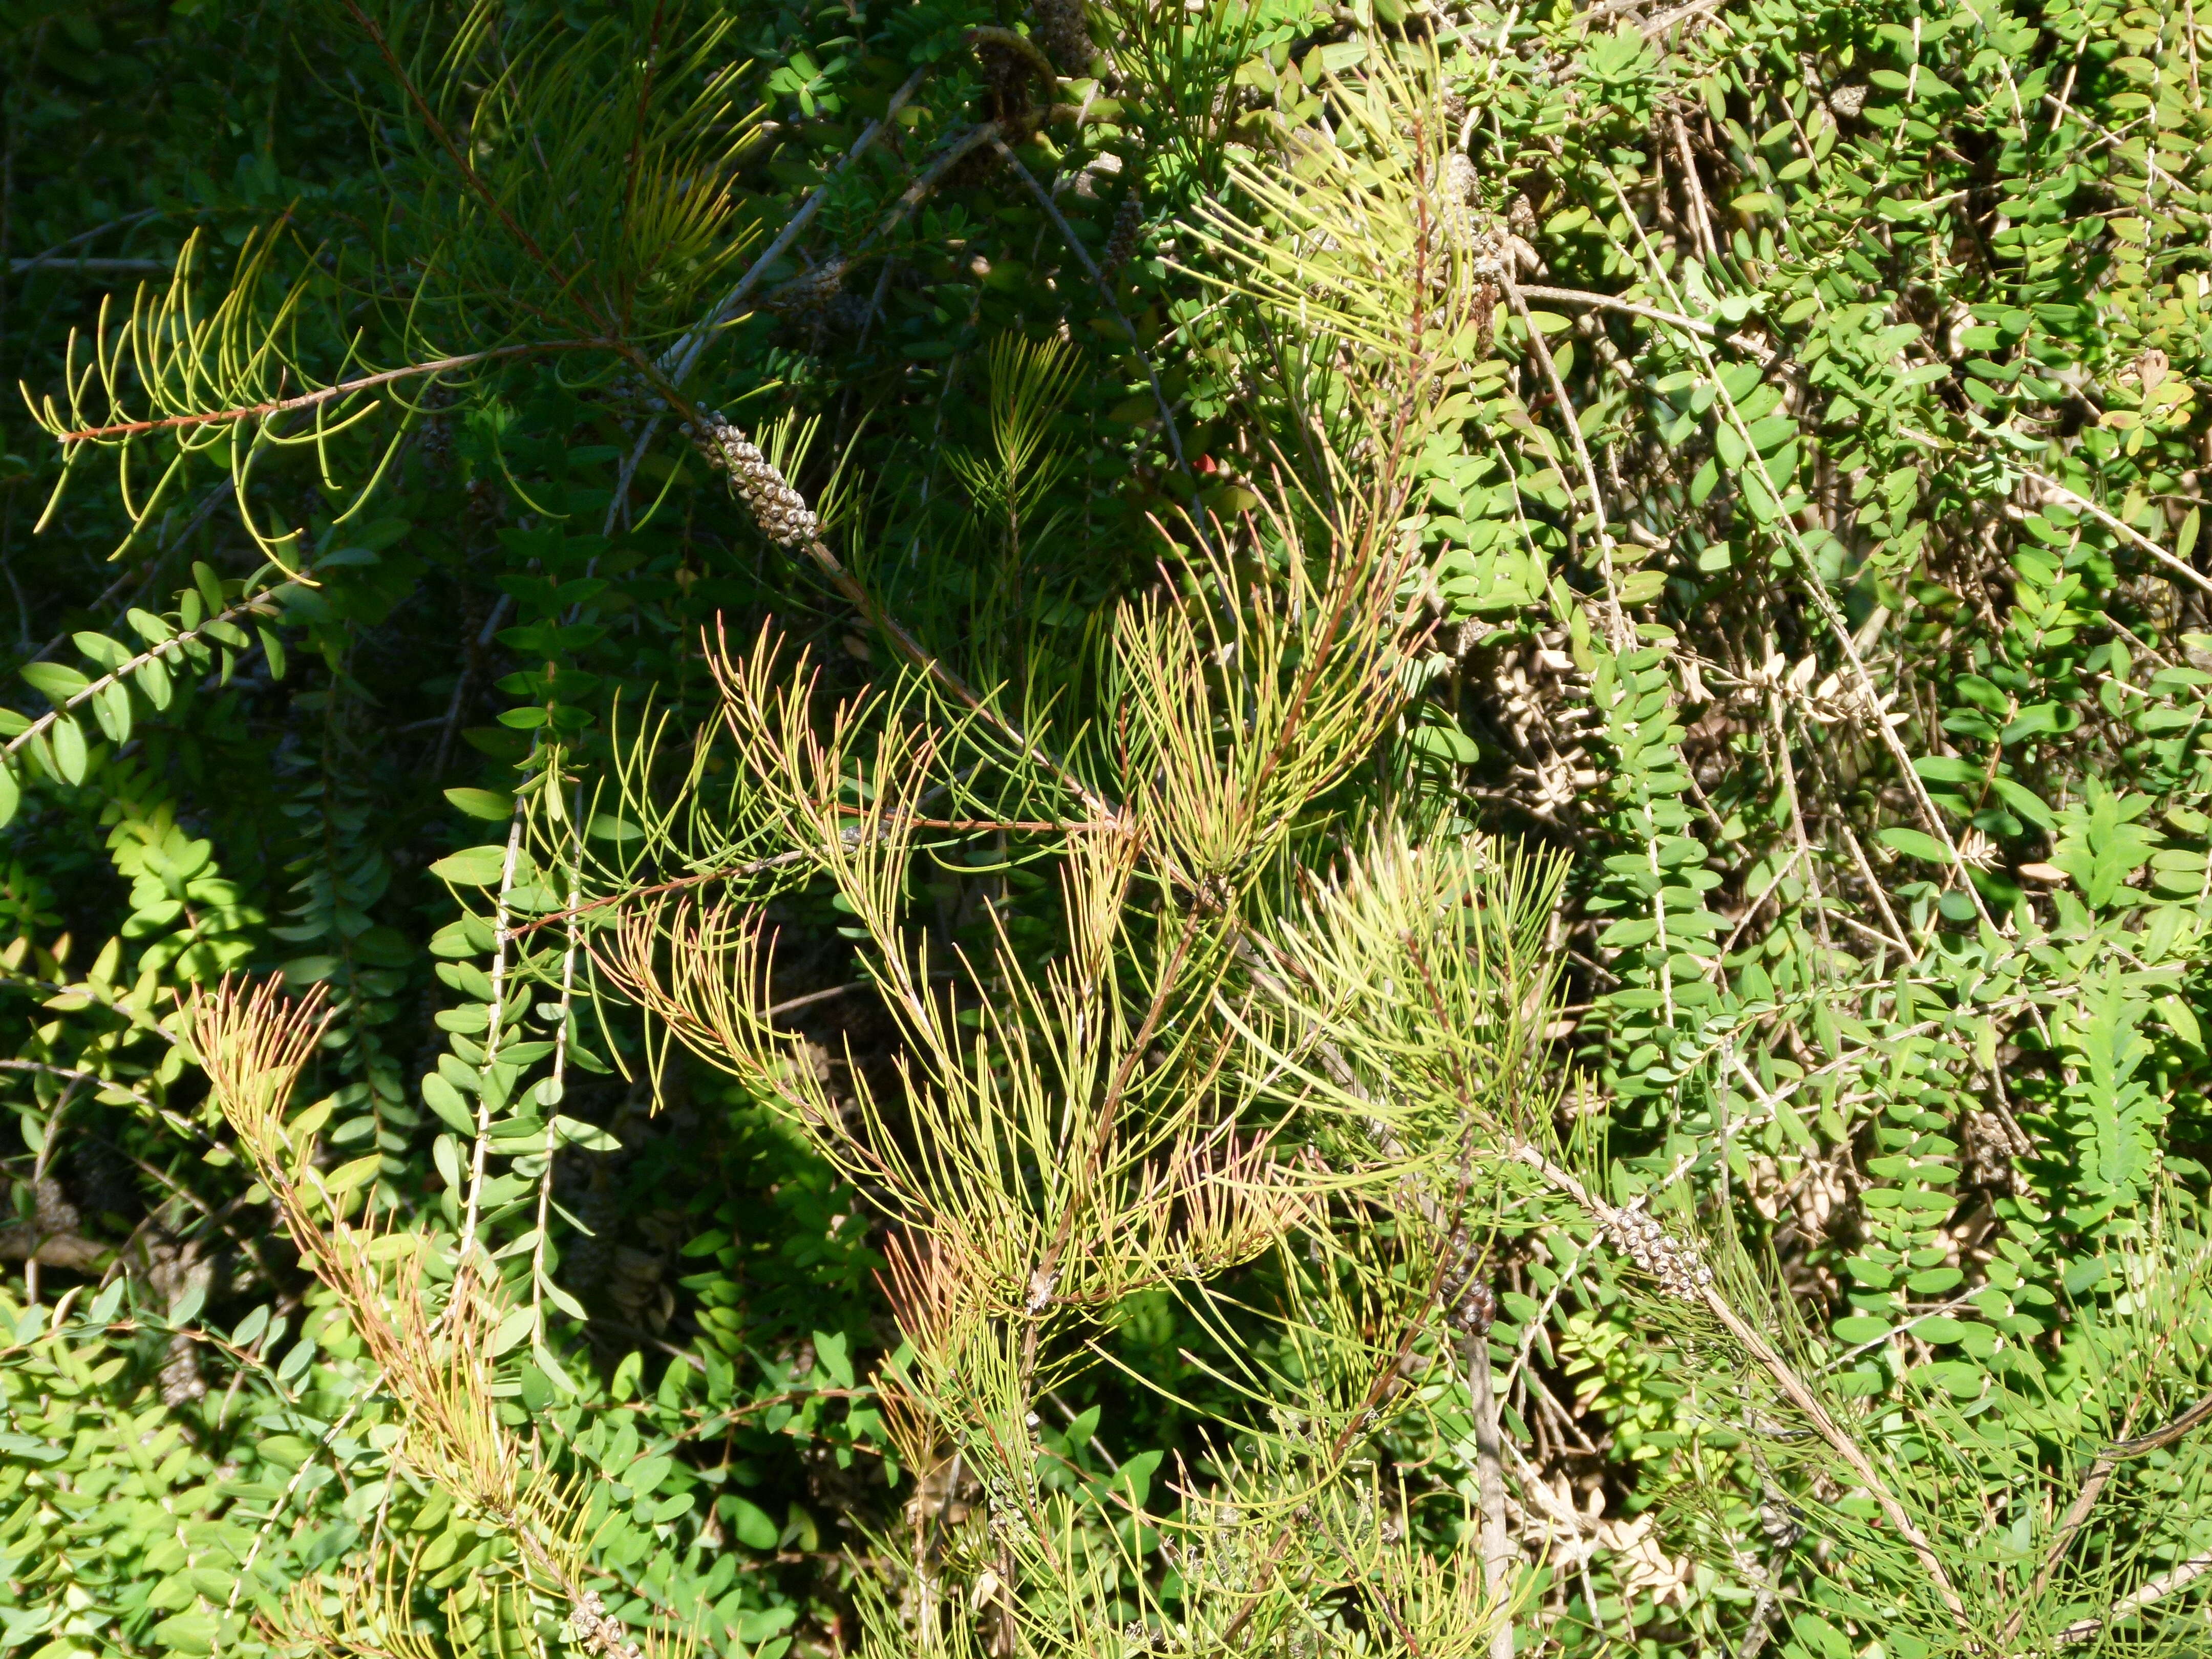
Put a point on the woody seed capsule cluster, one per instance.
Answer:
(1003, 1516)
(1476, 1311)
(1674, 1265)
(780, 511)
(811, 291)
(1462, 188)
(599, 1632)
(1058, 28)
(1469, 1304)
(1128, 219)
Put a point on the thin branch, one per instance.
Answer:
(88, 266)
(145, 576)
(72, 1252)
(1816, 586)
(786, 861)
(1696, 188)
(497, 1004)
(244, 1575)
(956, 150)
(327, 394)
(454, 152)
(2180, 567)
(1623, 636)
(682, 357)
(2102, 1468)
(1793, 1387)
(75, 1074)
(463, 683)
(1021, 46)
(677, 362)
(1490, 1482)
(1580, 296)
(792, 1005)
(1659, 25)
(2156, 1590)
(1444, 1225)
(680, 884)
(701, 422)
(540, 1274)
(62, 247)
(173, 645)
(1106, 292)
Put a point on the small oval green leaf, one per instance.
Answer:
(1913, 844)
(70, 756)
(472, 866)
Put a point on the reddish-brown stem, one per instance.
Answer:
(454, 152)
(1108, 1110)
(311, 399)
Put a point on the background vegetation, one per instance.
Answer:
(1753, 451)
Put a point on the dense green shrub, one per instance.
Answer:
(1210, 828)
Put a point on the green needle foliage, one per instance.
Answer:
(1150, 829)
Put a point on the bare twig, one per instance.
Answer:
(684, 356)
(78, 1075)
(2128, 1605)
(1702, 213)
(1579, 296)
(1816, 587)
(463, 680)
(1490, 1472)
(1617, 619)
(1659, 25)
(2180, 567)
(2102, 1468)
(85, 265)
(62, 247)
(1106, 292)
